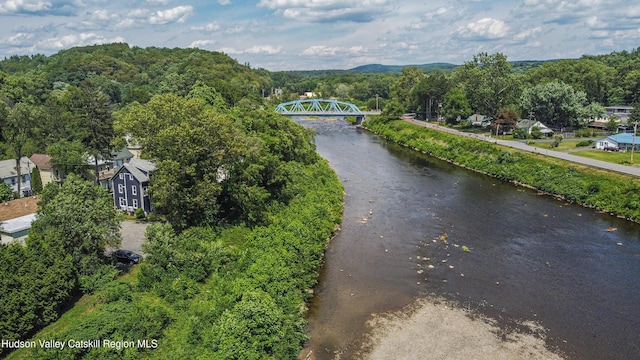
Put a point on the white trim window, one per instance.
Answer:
(123, 202)
(120, 189)
(135, 203)
(134, 190)
(121, 176)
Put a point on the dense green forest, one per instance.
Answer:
(249, 204)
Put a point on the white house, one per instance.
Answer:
(624, 141)
(529, 125)
(9, 175)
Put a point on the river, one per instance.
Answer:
(504, 252)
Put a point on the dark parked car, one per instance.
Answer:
(126, 257)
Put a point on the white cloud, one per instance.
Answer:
(485, 28)
(18, 38)
(329, 10)
(201, 43)
(258, 49)
(263, 49)
(82, 39)
(322, 50)
(22, 6)
(210, 27)
(224, 2)
(527, 34)
(176, 14)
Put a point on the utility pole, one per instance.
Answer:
(377, 102)
(633, 141)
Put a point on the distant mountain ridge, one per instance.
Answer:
(398, 68)
(517, 66)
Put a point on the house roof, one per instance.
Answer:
(19, 207)
(476, 117)
(124, 153)
(8, 167)
(137, 168)
(624, 138)
(528, 123)
(18, 224)
(142, 164)
(42, 161)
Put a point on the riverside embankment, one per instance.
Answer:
(583, 182)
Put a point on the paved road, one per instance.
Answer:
(624, 169)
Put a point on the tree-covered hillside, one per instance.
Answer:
(249, 206)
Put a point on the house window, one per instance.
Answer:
(121, 176)
(144, 191)
(135, 203)
(134, 190)
(120, 188)
(123, 202)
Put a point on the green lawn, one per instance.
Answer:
(564, 145)
(610, 156)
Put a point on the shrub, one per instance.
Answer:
(139, 213)
(584, 143)
(520, 134)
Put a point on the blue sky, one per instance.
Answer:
(328, 34)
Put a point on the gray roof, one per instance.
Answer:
(18, 224)
(142, 164)
(138, 168)
(527, 124)
(139, 175)
(124, 153)
(8, 167)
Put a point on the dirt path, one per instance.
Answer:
(434, 329)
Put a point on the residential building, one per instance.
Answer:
(529, 124)
(623, 141)
(43, 163)
(131, 184)
(9, 175)
(479, 120)
(622, 112)
(16, 217)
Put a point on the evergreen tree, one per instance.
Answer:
(36, 181)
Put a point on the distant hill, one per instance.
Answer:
(518, 66)
(398, 68)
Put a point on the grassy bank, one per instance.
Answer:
(584, 185)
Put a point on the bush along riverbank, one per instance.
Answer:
(611, 192)
(233, 292)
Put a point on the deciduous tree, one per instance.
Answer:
(81, 217)
(555, 104)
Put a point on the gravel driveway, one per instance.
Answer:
(133, 235)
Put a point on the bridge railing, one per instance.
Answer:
(318, 106)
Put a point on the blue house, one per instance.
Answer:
(624, 141)
(131, 184)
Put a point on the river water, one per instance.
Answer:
(574, 271)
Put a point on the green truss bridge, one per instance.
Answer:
(320, 107)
